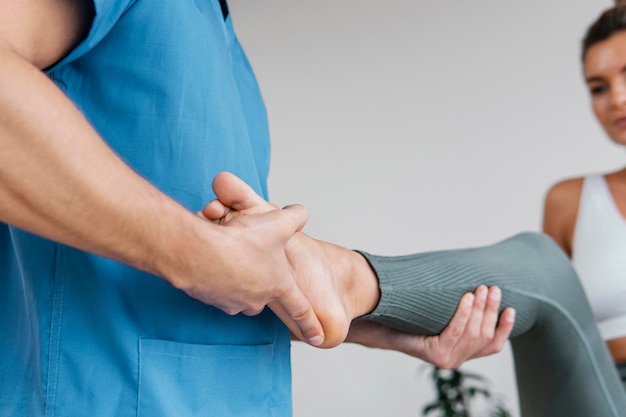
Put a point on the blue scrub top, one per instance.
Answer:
(168, 87)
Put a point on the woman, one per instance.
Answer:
(586, 216)
(563, 367)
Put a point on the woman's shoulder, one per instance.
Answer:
(560, 211)
(565, 191)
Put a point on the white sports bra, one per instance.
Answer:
(599, 256)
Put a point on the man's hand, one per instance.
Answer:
(249, 269)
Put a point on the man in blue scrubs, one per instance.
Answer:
(116, 299)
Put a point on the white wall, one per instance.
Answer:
(409, 126)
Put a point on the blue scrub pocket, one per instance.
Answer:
(185, 380)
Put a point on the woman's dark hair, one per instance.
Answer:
(608, 24)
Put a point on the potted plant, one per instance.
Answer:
(455, 391)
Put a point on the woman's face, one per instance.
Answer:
(605, 73)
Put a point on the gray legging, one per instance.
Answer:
(563, 367)
(621, 369)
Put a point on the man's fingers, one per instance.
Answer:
(490, 316)
(474, 325)
(235, 193)
(293, 301)
(455, 329)
(215, 211)
(472, 331)
(301, 312)
(298, 215)
(283, 224)
(506, 323)
(502, 333)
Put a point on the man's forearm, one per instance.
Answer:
(59, 179)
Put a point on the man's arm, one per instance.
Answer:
(60, 180)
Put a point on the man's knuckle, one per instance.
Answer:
(456, 332)
(300, 314)
(281, 291)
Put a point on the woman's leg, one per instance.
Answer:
(621, 370)
(563, 367)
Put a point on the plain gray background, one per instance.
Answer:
(408, 126)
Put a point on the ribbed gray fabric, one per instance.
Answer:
(621, 370)
(563, 367)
